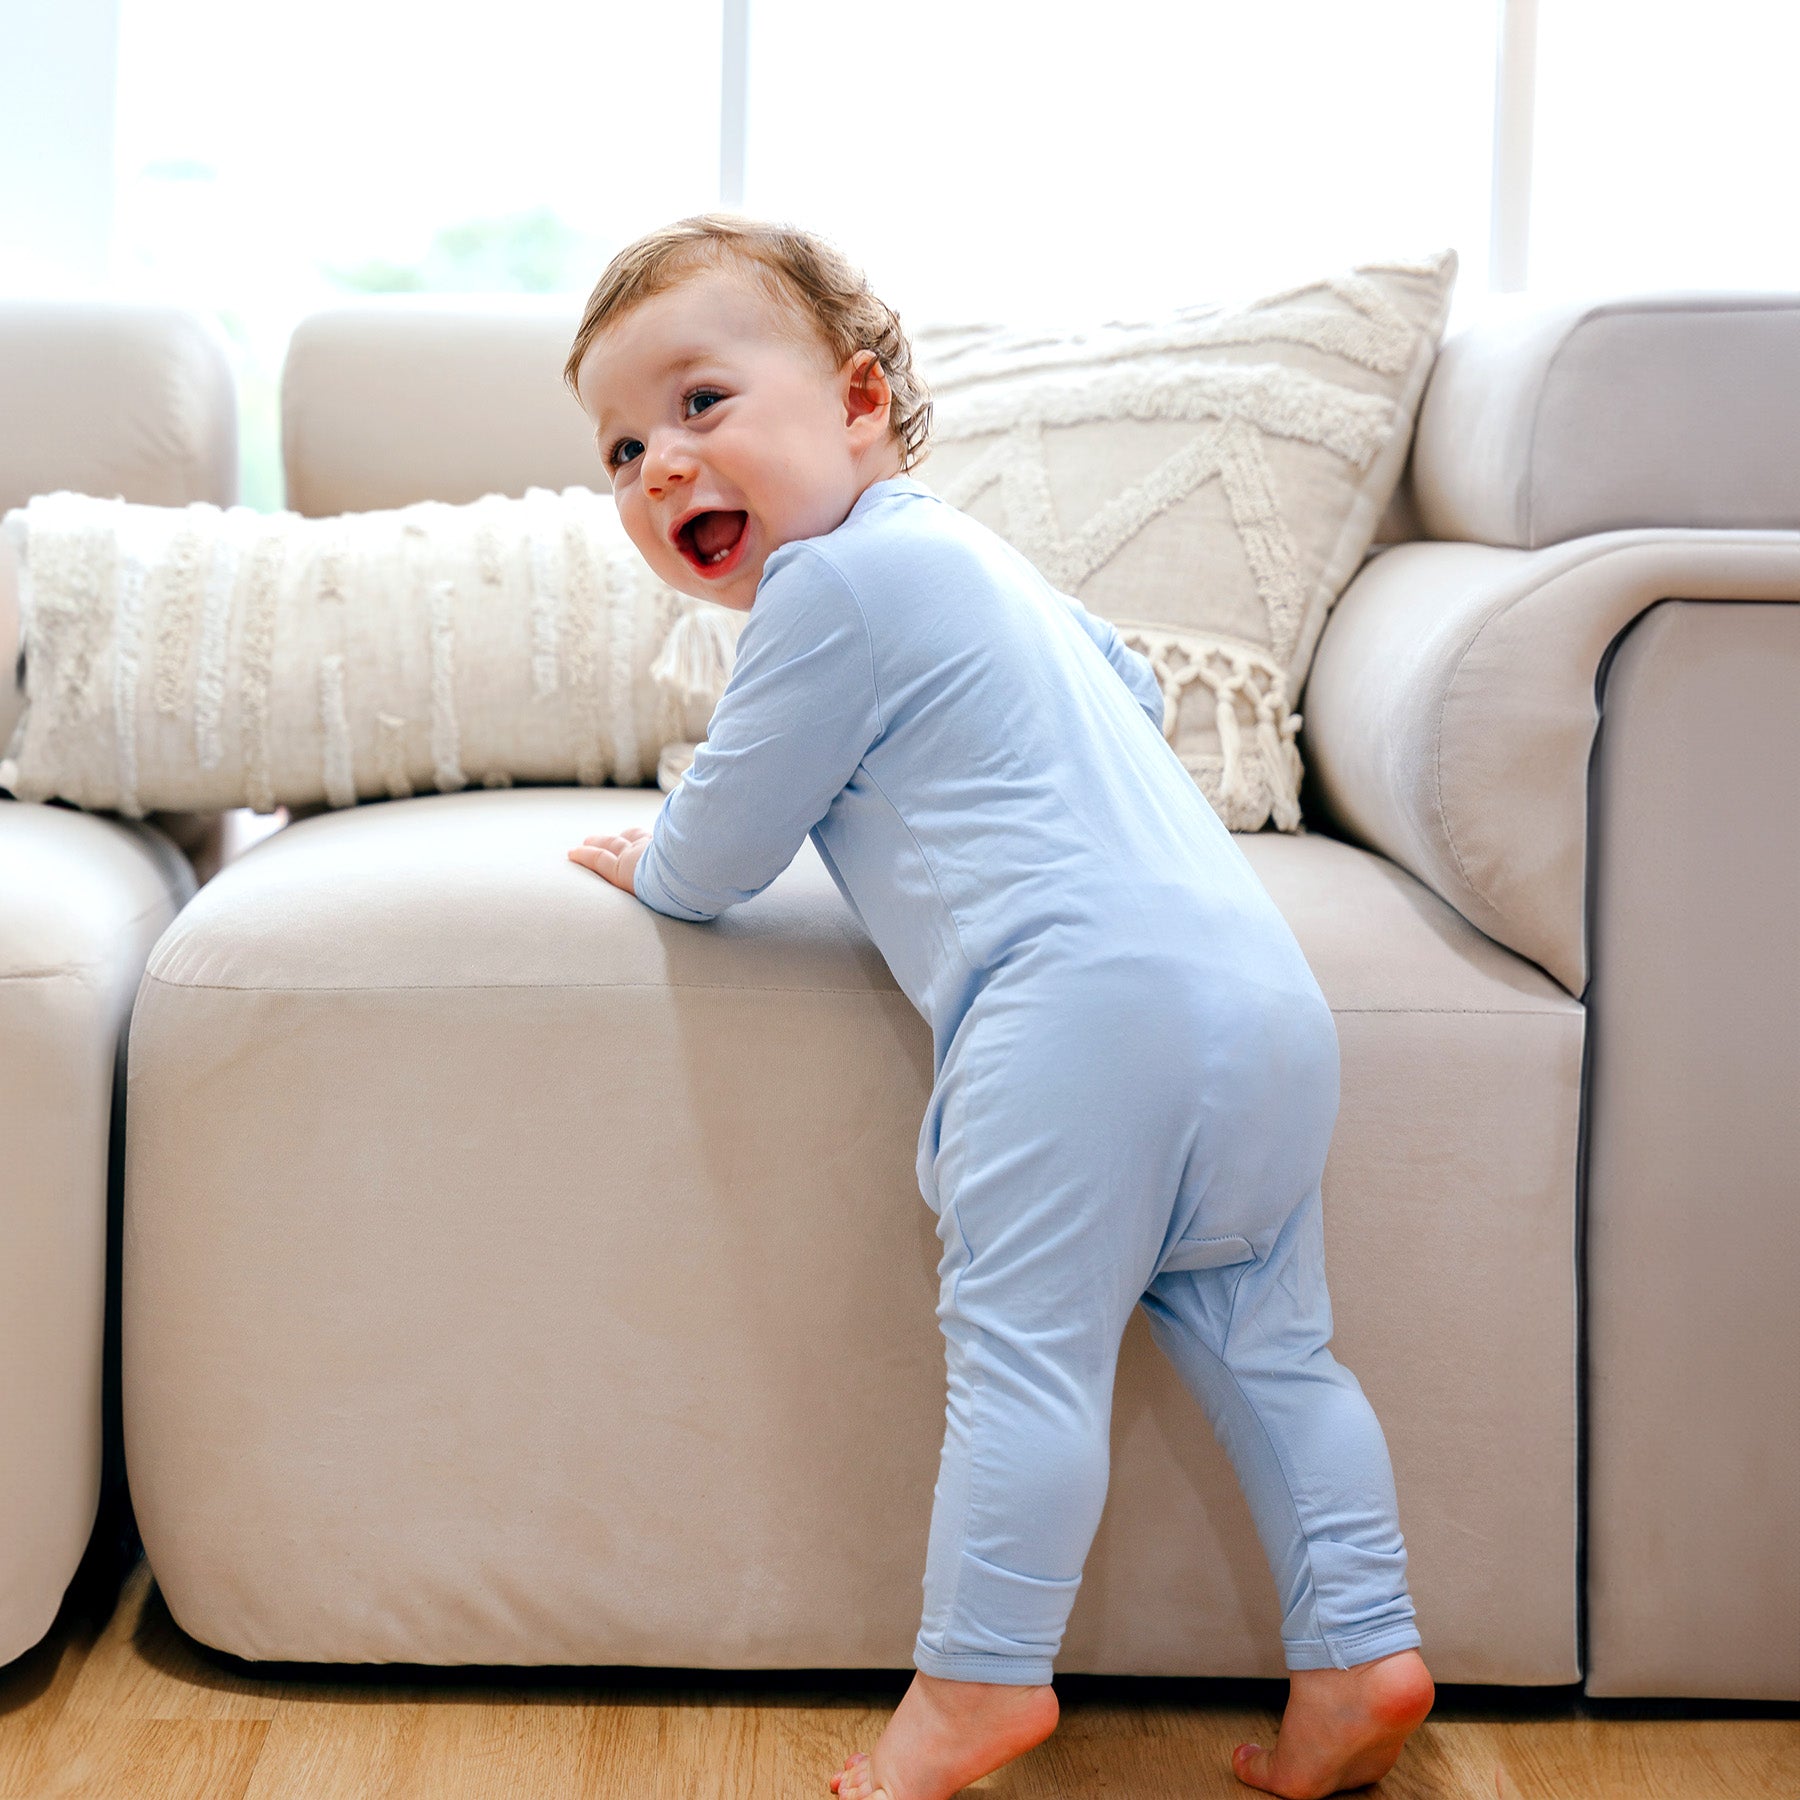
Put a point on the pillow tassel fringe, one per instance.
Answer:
(1184, 659)
(694, 664)
(1280, 755)
(696, 657)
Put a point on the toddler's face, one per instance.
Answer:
(719, 431)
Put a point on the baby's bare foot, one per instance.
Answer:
(1343, 1728)
(945, 1734)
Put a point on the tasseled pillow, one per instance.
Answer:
(1208, 481)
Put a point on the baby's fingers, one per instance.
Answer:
(600, 860)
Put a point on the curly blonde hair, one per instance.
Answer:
(827, 295)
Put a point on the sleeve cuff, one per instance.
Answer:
(648, 884)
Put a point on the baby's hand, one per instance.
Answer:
(614, 857)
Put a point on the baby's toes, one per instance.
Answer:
(852, 1783)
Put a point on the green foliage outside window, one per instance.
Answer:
(521, 253)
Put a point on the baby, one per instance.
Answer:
(1135, 1073)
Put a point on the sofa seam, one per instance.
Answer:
(735, 987)
(85, 968)
(496, 987)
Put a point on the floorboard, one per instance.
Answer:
(118, 1702)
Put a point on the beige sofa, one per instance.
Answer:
(512, 1274)
(138, 401)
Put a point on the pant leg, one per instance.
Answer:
(1053, 1197)
(1250, 1341)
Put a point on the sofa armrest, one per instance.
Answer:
(1452, 707)
(1546, 422)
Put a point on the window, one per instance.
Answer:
(1665, 148)
(1073, 157)
(1011, 158)
(275, 159)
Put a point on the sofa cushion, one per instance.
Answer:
(115, 397)
(1546, 421)
(369, 420)
(1207, 480)
(509, 1264)
(81, 902)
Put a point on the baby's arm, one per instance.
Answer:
(793, 722)
(1134, 669)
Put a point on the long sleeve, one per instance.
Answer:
(1134, 669)
(795, 719)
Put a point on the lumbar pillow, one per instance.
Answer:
(1208, 482)
(197, 658)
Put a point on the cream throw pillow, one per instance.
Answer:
(1209, 482)
(197, 658)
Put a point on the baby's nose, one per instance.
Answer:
(660, 479)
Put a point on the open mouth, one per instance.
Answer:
(713, 542)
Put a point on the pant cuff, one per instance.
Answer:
(1354, 1648)
(1013, 1671)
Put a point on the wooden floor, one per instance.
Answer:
(118, 1704)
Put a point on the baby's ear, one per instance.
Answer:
(869, 387)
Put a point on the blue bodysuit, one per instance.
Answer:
(1135, 1072)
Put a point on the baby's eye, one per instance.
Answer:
(621, 445)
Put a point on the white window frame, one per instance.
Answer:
(1515, 101)
(734, 100)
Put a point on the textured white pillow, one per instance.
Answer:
(197, 658)
(1208, 481)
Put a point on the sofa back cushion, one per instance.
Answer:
(121, 397)
(1547, 421)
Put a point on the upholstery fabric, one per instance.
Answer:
(1452, 709)
(1693, 1234)
(1207, 481)
(197, 657)
(392, 398)
(530, 1345)
(1550, 421)
(81, 902)
(115, 397)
